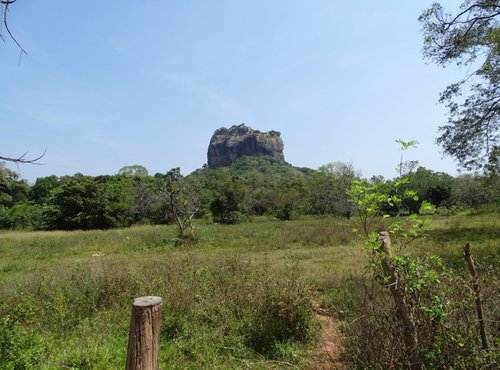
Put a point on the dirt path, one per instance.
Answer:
(328, 352)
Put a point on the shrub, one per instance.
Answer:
(228, 307)
(20, 347)
(281, 312)
(446, 324)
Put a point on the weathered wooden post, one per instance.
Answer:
(144, 337)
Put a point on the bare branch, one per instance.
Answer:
(23, 160)
(467, 10)
(5, 9)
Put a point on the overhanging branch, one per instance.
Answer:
(5, 7)
(23, 160)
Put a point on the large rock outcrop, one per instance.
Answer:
(229, 144)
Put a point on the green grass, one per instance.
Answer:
(241, 297)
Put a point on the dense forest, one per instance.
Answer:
(251, 186)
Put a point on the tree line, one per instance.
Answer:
(252, 186)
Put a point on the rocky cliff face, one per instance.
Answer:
(229, 144)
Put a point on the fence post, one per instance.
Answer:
(144, 337)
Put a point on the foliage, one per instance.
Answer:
(226, 207)
(436, 188)
(20, 347)
(73, 204)
(40, 191)
(22, 215)
(328, 189)
(406, 167)
(83, 202)
(425, 287)
(368, 198)
(215, 311)
(474, 191)
(251, 186)
(180, 196)
(134, 170)
(421, 300)
(470, 38)
(446, 324)
(281, 312)
(12, 189)
(270, 186)
(69, 293)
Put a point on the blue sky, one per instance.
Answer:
(107, 85)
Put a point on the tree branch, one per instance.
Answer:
(6, 4)
(23, 160)
(480, 6)
(470, 35)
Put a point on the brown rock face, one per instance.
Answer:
(229, 144)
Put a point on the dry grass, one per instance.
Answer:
(81, 284)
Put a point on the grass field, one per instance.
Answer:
(242, 296)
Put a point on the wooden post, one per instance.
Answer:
(477, 294)
(410, 336)
(144, 338)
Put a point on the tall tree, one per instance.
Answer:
(12, 189)
(469, 38)
(227, 205)
(330, 185)
(73, 204)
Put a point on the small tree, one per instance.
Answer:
(405, 167)
(328, 189)
(182, 202)
(410, 280)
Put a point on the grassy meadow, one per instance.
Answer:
(242, 296)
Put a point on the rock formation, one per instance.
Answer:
(229, 144)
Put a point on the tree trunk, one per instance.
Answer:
(402, 308)
(477, 294)
(144, 338)
(180, 225)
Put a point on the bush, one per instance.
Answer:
(264, 308)
(227, 308)
(22, 215)
(281, 312)
(20, 347)
(446, 325)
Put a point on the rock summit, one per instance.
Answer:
(229, 144)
